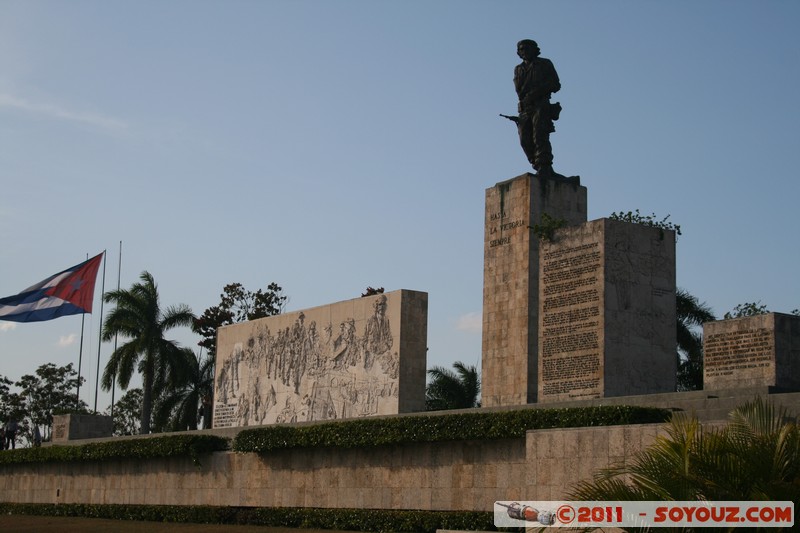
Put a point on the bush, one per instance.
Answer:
(143, 448)
(434, 428)
(375, 520)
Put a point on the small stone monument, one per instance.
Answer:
(754, 351)
(81, 426)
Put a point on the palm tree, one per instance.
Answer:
(755, 457)
(176, 408)
(691, 313)
(139, 317)
(453, 390)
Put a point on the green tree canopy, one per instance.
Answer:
(49, 390)
(747, 309)
(177, 408)
(237, 304)
(691, 314)
(128, 413)
(139, 317)
(448, 389)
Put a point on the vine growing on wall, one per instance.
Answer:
(545, 229)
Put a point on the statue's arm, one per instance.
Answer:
(553, 81)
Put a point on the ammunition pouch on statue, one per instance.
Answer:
(555, 111)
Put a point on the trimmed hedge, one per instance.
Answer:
(145, 448)
(433, 428)
(375, 520)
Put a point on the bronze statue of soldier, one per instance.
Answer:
(535, 80)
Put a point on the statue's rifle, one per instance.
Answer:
(513, 119)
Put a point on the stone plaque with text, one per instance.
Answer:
(606, 311)
(755, 351)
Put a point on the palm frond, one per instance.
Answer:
(755, 457)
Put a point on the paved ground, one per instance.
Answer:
(35, 524)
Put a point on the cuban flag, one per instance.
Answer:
(70, 292)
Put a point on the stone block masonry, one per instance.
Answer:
(761, 350)
(450, 475)
(441, 476)
(511, 281)
(606, 311)
(81, 426)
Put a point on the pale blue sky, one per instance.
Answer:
(332, 145)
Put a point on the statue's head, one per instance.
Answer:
(527, 49)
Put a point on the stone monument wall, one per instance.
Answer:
(441, 476)
(511, 281)
(357, 358)
(752, 351)
(607, 311)
(447, 475)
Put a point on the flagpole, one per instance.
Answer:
(114, 378)
(80, 357)
(100, 334)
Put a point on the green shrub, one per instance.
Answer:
(367, 432)
(144, 448)
(375, 520)
(648, 220)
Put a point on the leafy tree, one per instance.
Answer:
(128, 413)
(177, 408)
(138, 316)
(747, 309)
(50, 390)
(12, 405)
(691, 313)
(755, 457)
(237, 305)
(448, 389)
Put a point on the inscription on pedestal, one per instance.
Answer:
(571, 353)
(500, 225)
(755, 351)
(607, 312)
(726, 353)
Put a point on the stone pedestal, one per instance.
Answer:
(510, 280)
(78, 426)
(752, 352)
(607, 312)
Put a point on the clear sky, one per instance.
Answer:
(333, 145)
